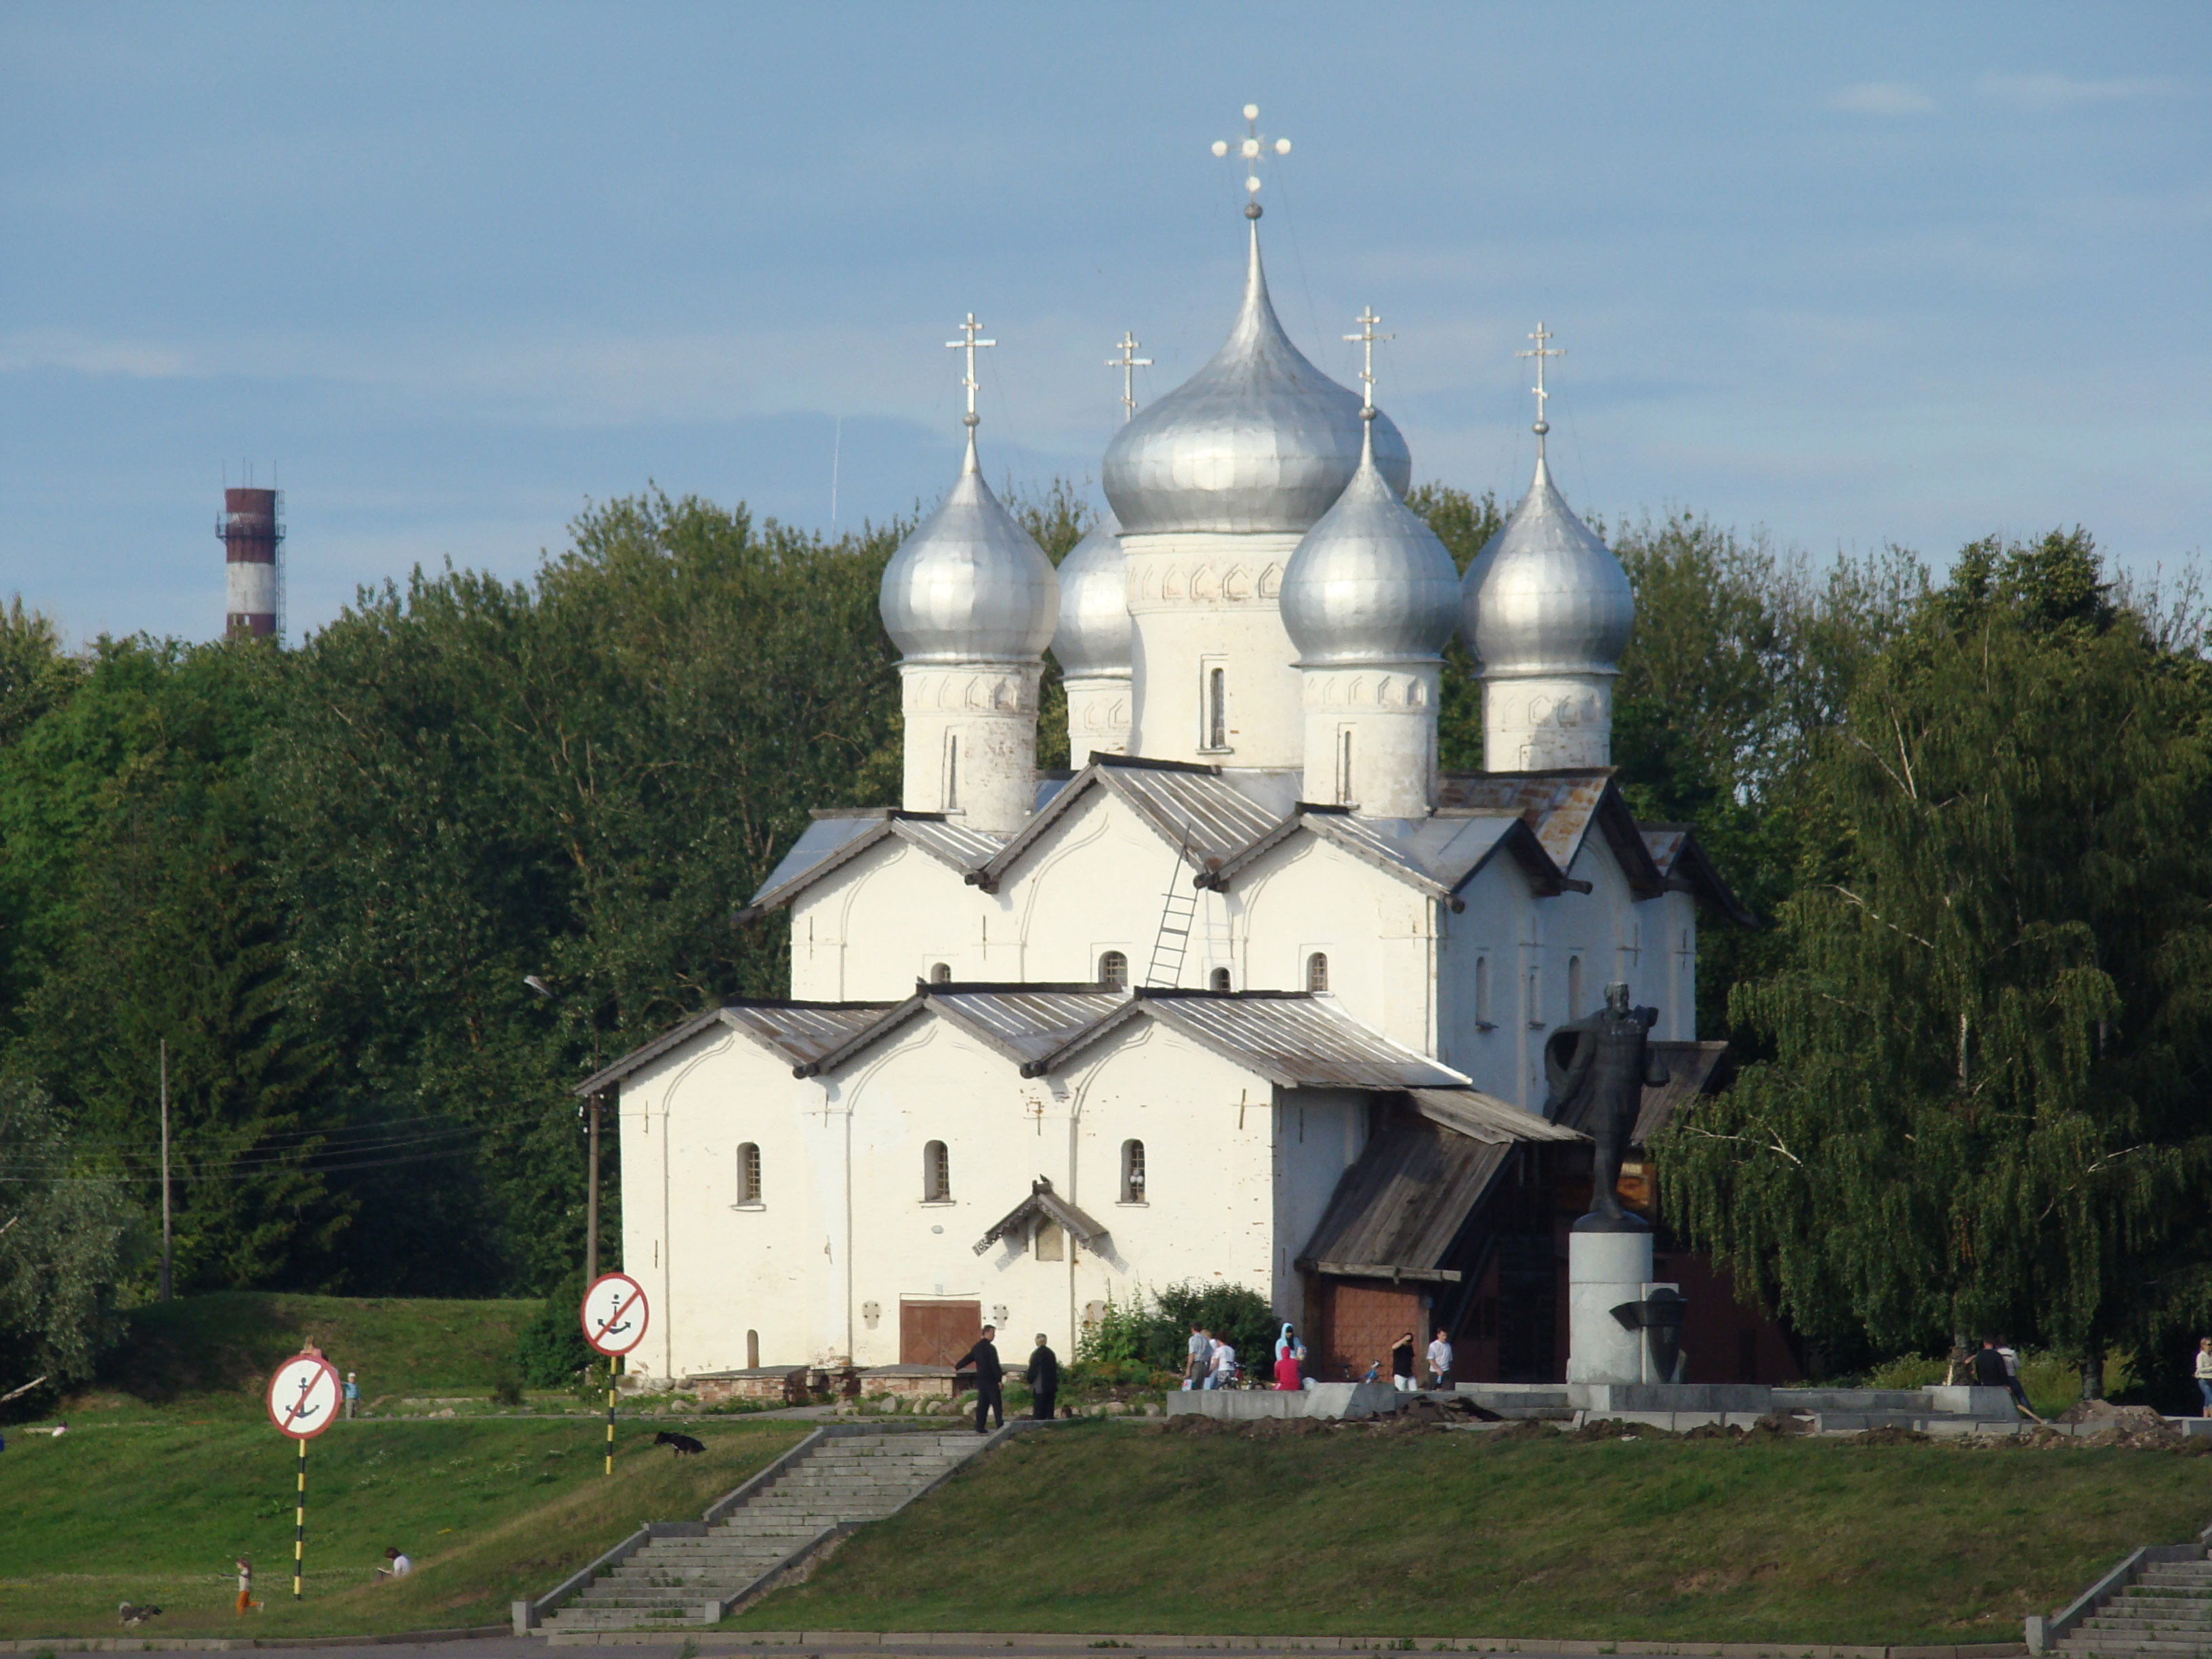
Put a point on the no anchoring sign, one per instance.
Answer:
(303, 1396)
(614, 1314)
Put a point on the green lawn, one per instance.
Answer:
(1116, 1527)
(228, 1344)
(152, 1506)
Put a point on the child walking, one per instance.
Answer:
(246, 1583)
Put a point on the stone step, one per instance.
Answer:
(2108, 1618)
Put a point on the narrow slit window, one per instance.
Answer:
(1133, 1172)
(749, 1174)
(752, 1351)
(1482, 991)
(1317, 972)
(1536, 997)
(1574, 986)
(936, 1174)
(1343, 767)
(1114, 971)
(951, 772)
(1217, 708)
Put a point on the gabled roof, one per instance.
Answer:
(800, 1032)
(1022, 1021)
(836, 837)
(1177, 799)
(1437, 855)
(1485, 1117)
(1682, 859)
(1294, 1039)
(1045, 1202)
(1562, 806)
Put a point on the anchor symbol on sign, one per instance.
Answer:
(608, 1325)
(302, 1411)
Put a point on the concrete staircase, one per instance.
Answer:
(2166, 1610)
(688, 1575)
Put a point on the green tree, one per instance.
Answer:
(1990, 1027)
(65, 1242)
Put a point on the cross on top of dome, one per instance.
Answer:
(1249, 149)
(1128, 363)
(971, 328)
(1365, 340)
(1542, 425)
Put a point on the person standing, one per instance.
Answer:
(1200, 1365)
(1988, 1367)
(246, 1602)
(2204, 1372)
(1401, 1363)
(1440, 1360)
(989, 1374)
(1044, 1379)
(1225, 1365)
(352, 1395)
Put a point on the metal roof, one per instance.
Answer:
(970, 584)
(1043, 1201)
(1403, 1203)
(834, 839)
(1175, 798)
(1561, 806)
(1438, 854)
(1294, 1039)
(1681, 859)
(1027, 1023)
(1485, 1117)
(801, 1031)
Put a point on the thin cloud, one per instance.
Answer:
(2046, 90)
(79, 354)
(1882, 98)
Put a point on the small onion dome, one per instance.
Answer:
(1370, 582)
(1096, 636)
(970, 584)
(1258, 440)
(1546, 596)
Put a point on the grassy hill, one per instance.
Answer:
(1116, 1527)
(228, 1344)
(153, 1506)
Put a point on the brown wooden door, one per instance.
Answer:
(938, 1333)
(1360, 1323)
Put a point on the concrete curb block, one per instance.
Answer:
(1019, 1643)
(228, 1644)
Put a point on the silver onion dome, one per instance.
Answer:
(1370, 582)
(1258, 440)
(1096, 636)
(971, 585)
(1546, 596)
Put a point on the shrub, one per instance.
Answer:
(551, 1352)
(1145, 1336)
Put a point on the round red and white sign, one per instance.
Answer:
(615, 1314)
(303, 1396)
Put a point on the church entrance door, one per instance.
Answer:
(1358, 1323)
(936, 1333)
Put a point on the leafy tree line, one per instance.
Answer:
(319, 879)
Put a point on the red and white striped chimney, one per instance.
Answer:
(252, 530)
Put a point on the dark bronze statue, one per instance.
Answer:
(1598, 1068)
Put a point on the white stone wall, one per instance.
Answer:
(1098, 707)
(1538, 723)
(1371, 738)
(885, 919)
(970, 744)
(1201, 603)
(1237, 1180)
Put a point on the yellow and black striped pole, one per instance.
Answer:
(300, 1523)
(612, 1363)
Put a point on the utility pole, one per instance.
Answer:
(592, 1203)
(165, 1170)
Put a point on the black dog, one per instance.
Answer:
(684, 1445)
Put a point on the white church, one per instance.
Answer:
(1257, 995)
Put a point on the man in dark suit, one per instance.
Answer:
(1044, 1379)
(984, 1356)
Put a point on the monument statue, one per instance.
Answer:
(1598, 1085)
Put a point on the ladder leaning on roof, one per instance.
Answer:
(1178, 914)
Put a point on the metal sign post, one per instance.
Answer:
(615, 1314)
(303, 1402)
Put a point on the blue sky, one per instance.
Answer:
(1854, 275)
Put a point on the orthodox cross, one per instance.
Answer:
(1365, 340)
(1542, 425)
(1248, 150)
(971, 328)
(1128, 364)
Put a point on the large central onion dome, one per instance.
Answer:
(1258, 440)
(970, 584)
(1370, 582)
(1546, 596)
(1096, 636)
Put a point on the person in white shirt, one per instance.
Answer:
(2204, 1372)
(1224, 1366)
(399, 1566)
(1440, 1361)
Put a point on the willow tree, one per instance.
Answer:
(1991, 1029)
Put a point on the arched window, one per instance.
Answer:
(752, 1351)
(1574, 986)
(1114, 971)
(749, 1174)
(936, 1174)
(1317, 972)
(1219, 981)
(1133, 1172)
(941, 973)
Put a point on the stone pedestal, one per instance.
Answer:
(1605, 1269)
